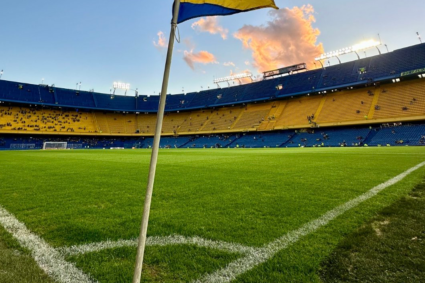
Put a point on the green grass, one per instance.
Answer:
(245, 196)
(16, 263)
(390, 248)
(163, 264)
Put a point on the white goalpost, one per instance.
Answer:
(54, 145)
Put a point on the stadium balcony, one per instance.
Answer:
(147, 103)
(203, 99)
(74, 98)
(115, 102)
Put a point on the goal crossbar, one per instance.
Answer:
(54, 145)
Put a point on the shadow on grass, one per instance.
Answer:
(390, 248)
(162, 264)
(16, 263)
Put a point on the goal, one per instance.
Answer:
(54, 145)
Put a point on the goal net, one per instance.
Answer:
(54, 145)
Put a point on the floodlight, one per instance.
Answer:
(365, 45)
(358, 47)
(234, 77)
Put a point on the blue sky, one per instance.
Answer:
(98, 42)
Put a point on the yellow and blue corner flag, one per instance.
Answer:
(190, 9)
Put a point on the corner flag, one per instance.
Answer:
(190, 9)
(183, 10)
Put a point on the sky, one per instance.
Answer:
(98, 42)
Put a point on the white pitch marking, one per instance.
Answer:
(157, 241)
(96, 247)
(51, 261)
(261, 255)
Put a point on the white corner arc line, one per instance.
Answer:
(261, 255)
(96, 247)
(49, 260)
(199, 242)
(157, 241)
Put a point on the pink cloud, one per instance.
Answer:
(162, 41)
(202, 57)
(189, 43)
(210, 24)
(287, 39)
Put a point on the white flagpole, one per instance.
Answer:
(154, 156)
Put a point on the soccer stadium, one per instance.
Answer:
(306, 175)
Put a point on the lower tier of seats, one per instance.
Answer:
(394, 134)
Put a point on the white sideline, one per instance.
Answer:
(158, 241)
(242, 265)
(50, 260)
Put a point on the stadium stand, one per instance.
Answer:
(341, 105)
(400, 100)
(399, 135)
(383, 135)
(267, 139)
(348, 105)
(298, 112)
(34, 119)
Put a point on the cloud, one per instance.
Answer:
(247, 63)
(287, 39)
(210, 24)
(227, 64)
(203, 57)
(162, 41)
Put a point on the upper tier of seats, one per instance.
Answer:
(363, 71)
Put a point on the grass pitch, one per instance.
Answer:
(388, 249)
(244, 196)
